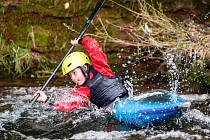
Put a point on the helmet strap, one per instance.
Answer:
(86, 72)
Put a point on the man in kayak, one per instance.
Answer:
(95, 82)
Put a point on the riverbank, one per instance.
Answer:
(138, 39)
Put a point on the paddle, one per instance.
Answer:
(88, 22)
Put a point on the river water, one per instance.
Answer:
(21, 121)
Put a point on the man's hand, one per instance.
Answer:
(42, 96)
(75, 42)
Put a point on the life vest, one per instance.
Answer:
(105, 89)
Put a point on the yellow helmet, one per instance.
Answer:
(74, 60)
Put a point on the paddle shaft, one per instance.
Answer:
(88, 22)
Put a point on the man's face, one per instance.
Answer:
(77, 76)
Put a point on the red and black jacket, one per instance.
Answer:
(102, 88)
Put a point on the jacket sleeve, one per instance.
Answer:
(79, 98)
(98, 57)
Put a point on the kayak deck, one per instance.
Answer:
(150, 108)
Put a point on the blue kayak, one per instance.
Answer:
(150, 108)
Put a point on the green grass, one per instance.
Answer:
(14, 60)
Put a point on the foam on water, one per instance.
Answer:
(101, 135)
(17, 106)
(199, 122)
(175, 134)
(18, 99)
(148, 134)
(198, 118)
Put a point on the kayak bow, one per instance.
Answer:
(150, 108)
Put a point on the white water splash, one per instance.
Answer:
(174, 77)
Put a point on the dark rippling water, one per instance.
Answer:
(20, 121)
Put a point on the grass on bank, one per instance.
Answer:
(17, 61)
(13, 59)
